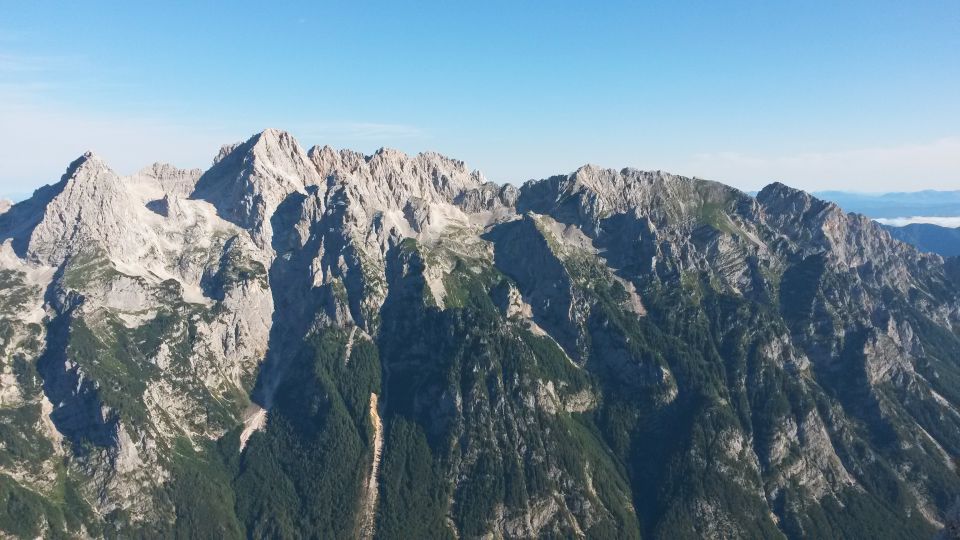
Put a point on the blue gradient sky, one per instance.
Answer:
(821, 95)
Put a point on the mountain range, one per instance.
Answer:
(328, 344)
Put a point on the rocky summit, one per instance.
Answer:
(327, 344)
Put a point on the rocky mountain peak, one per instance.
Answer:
(91, 205)
(778, 191)
(854, 242)
(788, 207)
(88, 165)
(780, 198)
(273, 153)
(278, 152)
(249, 180)
(278, 149)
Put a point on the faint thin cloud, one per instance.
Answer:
(38, 138)
(361, 131)
(26, 63)
(10, 36)
(10, 63)
(24, 77)
(16, 92)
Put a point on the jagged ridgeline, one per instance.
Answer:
(331, 345)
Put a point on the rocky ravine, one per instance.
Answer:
(321, 343)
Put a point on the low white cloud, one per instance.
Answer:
(951, 222)
(908, 167)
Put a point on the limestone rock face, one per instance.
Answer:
(325, 343)
(248, 183)
(91, 206)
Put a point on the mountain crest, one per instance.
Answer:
(433, 354)
(388, 179)
(87, 165)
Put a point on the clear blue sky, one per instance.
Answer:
(843, 95)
